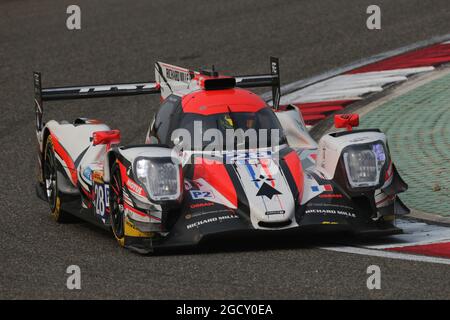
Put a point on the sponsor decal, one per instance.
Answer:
(263, 178)
(201, 205)
(201, 195)
(250, 157)
(134, 187)
(268, 191)
(333, 195)
(212, 220)
(320, 188)
(177, 75)
(331, 211)
(97, 176)
(87, 174)
(191, 215)
(269, 213)
(101, 202)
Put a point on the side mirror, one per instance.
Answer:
(347, 121)
(106, 137)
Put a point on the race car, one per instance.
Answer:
(217, 160)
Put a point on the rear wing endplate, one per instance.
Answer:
(268, 80)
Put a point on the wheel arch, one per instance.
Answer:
(45, 135)
(111, 157)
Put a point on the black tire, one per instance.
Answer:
(117, 212)
(51, 184)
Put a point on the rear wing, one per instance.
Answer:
(85, 91)
(130, 89)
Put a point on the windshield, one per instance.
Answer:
(230, 130)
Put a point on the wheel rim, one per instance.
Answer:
(117, 209)
(50, 178)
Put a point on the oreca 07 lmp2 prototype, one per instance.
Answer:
(176, 190)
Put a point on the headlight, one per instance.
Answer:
(364, 164)
(160, 176)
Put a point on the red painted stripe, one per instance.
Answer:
(430, 56)
(59, 149)
(295, 167)
(434, 249)
(266, 170)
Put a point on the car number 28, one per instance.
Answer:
(101, 198)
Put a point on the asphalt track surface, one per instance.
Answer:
(119, 41)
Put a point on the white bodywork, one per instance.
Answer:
(330, 149)
(75, 139)
(295, 129)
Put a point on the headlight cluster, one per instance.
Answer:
(364, 164)
(160, 176)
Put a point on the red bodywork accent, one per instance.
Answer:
(347, 121)
(106, 137)
(215, 173)
(59, 149)
(132, 185)
(208, 102)
(313, 112)
(123, 173)
(295, 167)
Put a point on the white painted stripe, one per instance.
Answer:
(404, 71)
(415, 233)
(446, 42)
(387, 254)
(350, 86)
